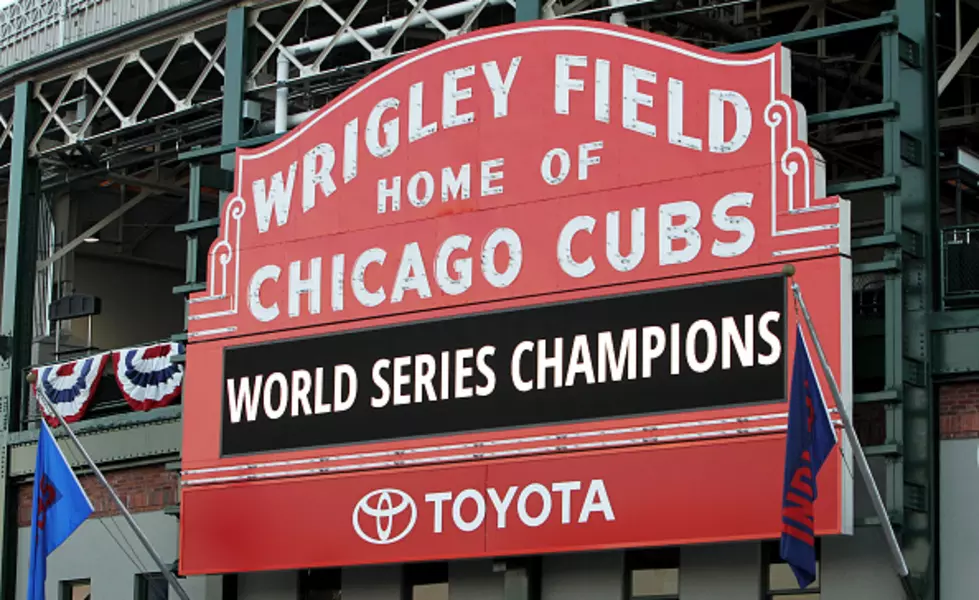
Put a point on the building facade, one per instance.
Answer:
(120, 127)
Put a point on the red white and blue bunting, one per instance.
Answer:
(147, 377)
(69, 387)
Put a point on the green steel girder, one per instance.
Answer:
(870, 111)
(236, 61)
(908, 184)
(235, 70)
(112, 441)
(528, 10)
(16, 321)
(888, 20)
(911, 67)
(229, 147)
(955, 353)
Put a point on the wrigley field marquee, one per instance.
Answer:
(495, 297)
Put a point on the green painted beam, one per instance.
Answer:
(16, 320)
(197, 225)
(913, 74)
(892, 396)
(889, 450)
(886, 20)
(889, 181)
(20, 256)
(235, 70)
(888, 265)
(880, 110)
(876, 241)
(190, 288)
(955, 353)
(954, 319)
(152, 441)
(528, 10)
(225, 148)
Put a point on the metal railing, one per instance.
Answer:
(106, 401)
(960, 266)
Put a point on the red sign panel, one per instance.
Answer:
(675, 494)
(516, 167)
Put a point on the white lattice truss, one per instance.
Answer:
(24, 18)
(60, 127)
(308, 59)
(27, 17)
(56, 101)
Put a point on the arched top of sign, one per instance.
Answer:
(518, 125)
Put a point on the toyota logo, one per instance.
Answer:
(382, 507)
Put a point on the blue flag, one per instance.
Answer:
(810, 439)
(60, 506)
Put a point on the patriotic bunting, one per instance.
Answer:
(69, 387)
(147, 377)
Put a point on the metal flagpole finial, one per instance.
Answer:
(788, 270)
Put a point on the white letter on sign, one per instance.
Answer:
(363, 295)
(372, 132)
(411, 275)
(509, 238)
(299, 286)
(499, 86)
(612, 243)
(563, 84)
(596, 500)
(547, 166)
(685, 232)
(462, 266)
(451, 95)
(321, 178)
(675, 112)
(564, 256)
(278, 197)
(341, 372)
(742, 118)
(438, 498)
(726, 222)
(469, 494)
(416, 130)
(258, 310)
(545, 511)
(632, 98)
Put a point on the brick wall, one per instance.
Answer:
(959, 410)
(142, 489)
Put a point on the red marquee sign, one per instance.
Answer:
(403, 257)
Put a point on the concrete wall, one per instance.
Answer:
(91, 553)
(960, 519)
(854, 568)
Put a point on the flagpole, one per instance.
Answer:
(171, 579)
(861, 458)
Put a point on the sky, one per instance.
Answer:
(6, 2)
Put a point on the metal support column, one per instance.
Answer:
(521, 579)
(235, 71)
(919, 207)
(904, 256)
(232, 111)
(528, 10)
(16, 321)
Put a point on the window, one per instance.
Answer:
(319, 584)
(80, 589)
(426, 581)
(781, 581)
(653, 574)
(151, 586)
